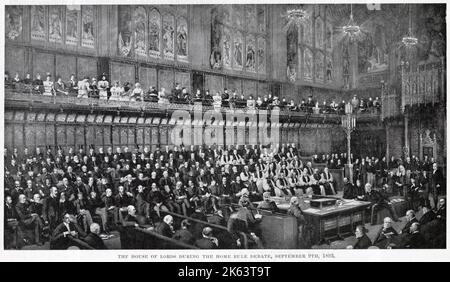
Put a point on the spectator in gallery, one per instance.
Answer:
(16, 79)
(83, 88)
(162, 96)
(225, 98)
(355, 103)
(137, 93)
(103, 86)
(217, 100)
(362, 240)
(93, 88)
(198, 96)
(48, 86)
(60, 87)
(208, 97)
(176, 93)
(251, 103)
(116, 91)
(233, 100)
(72, 85)
(152, 94)
(27, 79)
(259, 102)
(7, 78)
(38, 84)
(185, 97)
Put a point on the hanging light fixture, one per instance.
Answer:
(351, 29)
(297, 16)
(410, 40)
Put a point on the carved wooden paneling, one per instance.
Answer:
(90, 135)
(131, 136)
(98, 135)
(61, 135)
(65, 66)
(184, 79)
(140, 136)
(147, 136)
(107, 135)
(79, 136)
(15, 61)
(40, 134)
(166, 80)
(214, 83)
(86, 67)
(122, 72)
(50, 135)
(249, 88)
(43, 63)
(70, 133)
(9, 133)
(147, 77)
(154, 137)
(163, 139)
(234, 84)
(30, 133)
(124, 135)
(115, 135)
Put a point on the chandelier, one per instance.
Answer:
(297, 16)
(351, 29)
(410, 40)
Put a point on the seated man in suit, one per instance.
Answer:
(183, 234)
(29, 219)
(410, 218)
(363, 241)
(386, 235)
(165, 227)
(93, 239)
(379, 201)
(66, 234)
(415, 239)
(427, 216)
(267, 203)
(207, 241)
(349, 190)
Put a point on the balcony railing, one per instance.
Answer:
(19, 98)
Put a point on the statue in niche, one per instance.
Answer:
(215, 58)
(182, 39)
(238, 51)
(55, 24)
(250, 61)
(329, 69)
(168, 37)
(226, 48)
(38, 20)
(72, 25)
(154, 33)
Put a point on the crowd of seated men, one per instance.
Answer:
(97, 185)
(429, 231)
(116, 91)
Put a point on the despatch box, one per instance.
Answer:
(322, 203)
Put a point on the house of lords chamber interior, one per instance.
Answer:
(256, 126)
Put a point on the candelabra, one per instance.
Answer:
(349, 124)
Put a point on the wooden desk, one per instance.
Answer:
(336, 221)
(331, 222)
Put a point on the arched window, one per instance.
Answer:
(55, 24)
(140, 30)
(38, 23)
(308, 64)
(182, 39)
(168, 36)
(125, 34)
(319, 33)
(319, 69)
(154, 34)
(72, 27)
